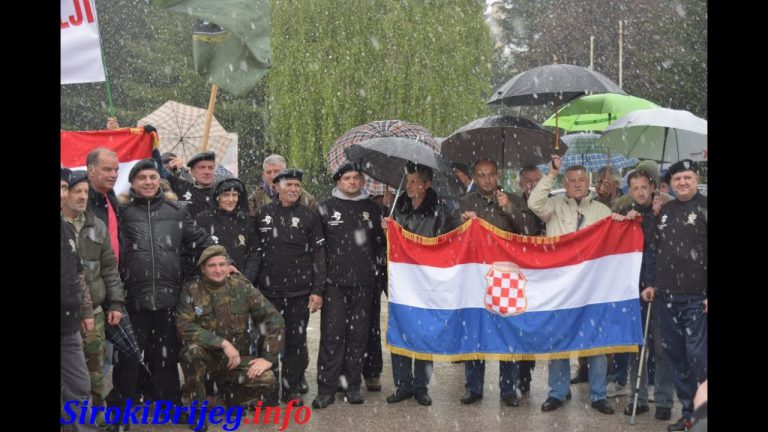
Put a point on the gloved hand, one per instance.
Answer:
(149, 128)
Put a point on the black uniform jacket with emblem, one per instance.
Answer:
(197, 199)
(233, 230)
(354, 240)
(292, 251)
(681, 242)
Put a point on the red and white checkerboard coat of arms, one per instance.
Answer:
(505, 294)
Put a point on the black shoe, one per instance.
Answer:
(373, 384)
(641, 409)
(271, 401)
(603, 406)
(510, 399)
(423, 399)
(399, 396)
(323, 400)
(568, 395)
(116, 427)
(470, 398)
(663, 413)
(551, 404)
(293, 396)
(681, 425)
(354, 397)
(303, 386)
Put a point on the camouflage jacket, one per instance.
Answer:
(207, 314)
(259, 199)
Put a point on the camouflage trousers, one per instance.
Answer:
(94, 347)
(199, 363)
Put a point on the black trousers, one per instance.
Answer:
(295, 312)
(156, 335)
(343, 336)
(373, 363)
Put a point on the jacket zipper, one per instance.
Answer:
(152, 256)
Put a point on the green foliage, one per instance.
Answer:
(341, 63)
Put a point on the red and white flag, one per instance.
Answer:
(130, 144)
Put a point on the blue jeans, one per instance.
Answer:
(560, 377)
(474, 371)
(663, 376)
(407, 381)
(620, 366)
(684, 336)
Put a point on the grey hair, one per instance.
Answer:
(274, 159)
(93, 156)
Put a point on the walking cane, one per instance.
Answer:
(633, 419)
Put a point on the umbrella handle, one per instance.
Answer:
(397, 195)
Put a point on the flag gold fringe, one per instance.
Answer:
(512, 357)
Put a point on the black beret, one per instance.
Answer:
(345, 168)
(204, 156)
(77, 177)
(289, 174)
(167, 156)
(66, 173)
(680, 166)
(143, 164)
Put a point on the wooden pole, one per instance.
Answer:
(209, 117)
(591, 52)
(621, 52)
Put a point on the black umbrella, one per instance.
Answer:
(384, 160)
(124, 339)
(557, 83)
(512, 142)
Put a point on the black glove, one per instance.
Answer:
(149, 128)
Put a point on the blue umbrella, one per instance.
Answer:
(583, 149)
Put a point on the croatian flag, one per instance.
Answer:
(130, 144)
(482, 293)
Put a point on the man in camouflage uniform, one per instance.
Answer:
(212, 320)
(101, 276)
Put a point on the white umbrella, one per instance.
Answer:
(659, 134)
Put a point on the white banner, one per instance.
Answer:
(80, 47)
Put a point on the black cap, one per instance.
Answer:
(77, 177)
(461, 167)
(289, 174)
(230, 184)
(680, 166)
(143, 164)
(167, 156)
(66, 174)
(206, 155)
(345, 168)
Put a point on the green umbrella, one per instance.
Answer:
(596, 112)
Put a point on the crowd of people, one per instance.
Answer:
(223, 281)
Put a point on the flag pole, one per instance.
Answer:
(107, 88)
(209, 117)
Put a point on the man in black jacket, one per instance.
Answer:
(680, 241)
(102, 167)
(154, 227)
(419, 211)
(354, 243)
(292, 272)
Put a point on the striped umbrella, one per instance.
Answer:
(377, 129)
(583, 149)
